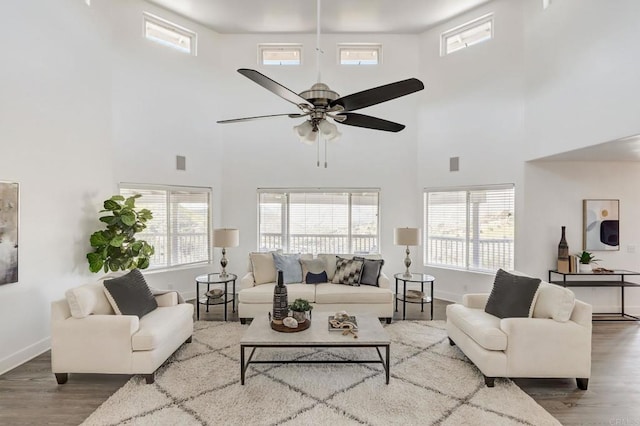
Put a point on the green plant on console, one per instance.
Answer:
(116, 247)
(300, 305)
(587, 258)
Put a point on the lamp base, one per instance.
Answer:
(223, 263)
(407, 263)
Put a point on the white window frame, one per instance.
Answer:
(266, 47)
(176, 188)
(453, 32)
(467, 240)
(285, 215)
(173, 27)
(377, 47)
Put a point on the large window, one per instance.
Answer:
(180, 228)
(318, 221)
(469, 228)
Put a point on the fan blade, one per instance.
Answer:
(378, 94)
(361, 120)
(274, 87)
(258, 117)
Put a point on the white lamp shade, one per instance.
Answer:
(407, 237)
(226, 237)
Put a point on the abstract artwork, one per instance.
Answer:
(601, 222)
(8, 232)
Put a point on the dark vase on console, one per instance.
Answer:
(280, 301)
(563, 247)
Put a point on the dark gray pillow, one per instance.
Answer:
(512, 295)
(312, 278)
(130, 294)
(370, 271)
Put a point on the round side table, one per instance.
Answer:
(224, 299)
(414, 278)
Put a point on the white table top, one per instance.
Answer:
(370, 332)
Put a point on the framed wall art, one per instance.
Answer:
(601, 225)
(8, 232)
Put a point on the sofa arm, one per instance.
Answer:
(95, 344)
(167, 299)
(475, 301)
(383, 281)
(543, 347)
(582, 314)
(247, 281)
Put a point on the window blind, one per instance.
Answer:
(470, 228)
(319, 221)
(180, 228)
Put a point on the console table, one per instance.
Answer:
(604, 279)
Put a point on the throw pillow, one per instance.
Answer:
(88, 299)
(512, 296)
(315, 266)
(554, 302)
(289, 264)
(330, 264)
(317, 278)
(370, 271)
(130, 294)
(348, 271)
(264, 269)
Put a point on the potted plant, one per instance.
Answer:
(300, 307)
(586, 258)
(116, 248)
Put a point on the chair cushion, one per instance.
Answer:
(289, 264)
(512, 296)
(554, 302)
(157, 326)
(88, 299)
(348, 271)
(482, 327)
(264, 293)
(264, 268)
(338, 293)
(130, 294)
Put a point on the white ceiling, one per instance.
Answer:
(338, 16)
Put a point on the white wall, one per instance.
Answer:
(266, 153)
(473, 109)
(555, 191)
(55, 133)
(165, 103)
(582, 67)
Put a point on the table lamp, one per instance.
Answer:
(407, 237)
(225, 237)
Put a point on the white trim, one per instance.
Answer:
(25, 354)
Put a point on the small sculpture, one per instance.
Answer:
(290, 322)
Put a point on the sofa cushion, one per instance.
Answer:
(289, 264)
(88, 299)
(316, 278)
(482, 327)
(338, 293)
(512, 296)
(264, 293)
(370, 271)
(264, 268)
(554, 302)
(315, 266)
(130, 294)
(348, 271)
(157, 326)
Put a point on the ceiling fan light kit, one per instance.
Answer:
(320, 103)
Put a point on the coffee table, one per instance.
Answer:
(371, 334)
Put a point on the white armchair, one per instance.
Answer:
(554, 343)
(87, 336)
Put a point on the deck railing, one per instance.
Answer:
(320, 243)
(485, 254)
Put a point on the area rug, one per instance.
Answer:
(432, 383)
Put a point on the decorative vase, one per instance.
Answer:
(563, 247)
(280, 301)
(300, 316)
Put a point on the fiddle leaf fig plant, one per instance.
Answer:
(116, 248)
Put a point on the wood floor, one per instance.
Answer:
(29, 394)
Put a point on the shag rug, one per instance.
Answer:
(432, 383)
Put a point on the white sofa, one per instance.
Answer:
(96, 340)
(554, 343)
(257, 299)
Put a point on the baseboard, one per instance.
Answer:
(24, 355)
